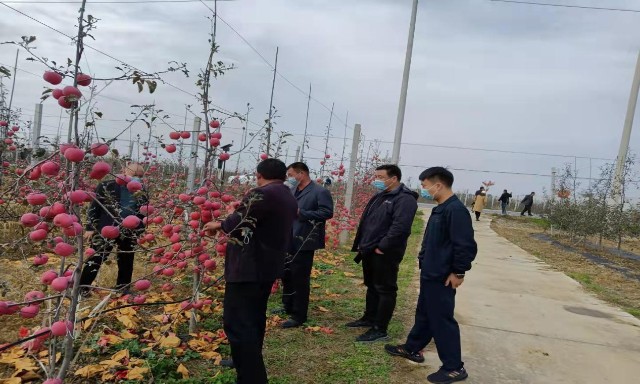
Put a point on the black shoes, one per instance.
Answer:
(373, 334)
(228, 363)
(291, 323)
(448, 377)
(399, 350)
(360, 323)
(279, 311)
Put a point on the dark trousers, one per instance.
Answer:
(434, 320)
(296, 285)
(245, 319)
(527, 208)
(504, 207)
(478, 215)
(103, 248)
(381, 278)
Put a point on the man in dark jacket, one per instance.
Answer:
(381, 241)
(504, 201)
(259, 234)
(315, 207)
(448, 248)
(114, 201)
(528, 203)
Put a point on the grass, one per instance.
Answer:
(311, 356)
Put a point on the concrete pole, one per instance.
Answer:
(193, 165)
(344, 235)
(35, 134)
(131, 150)
(297, 154)
(626, 135)
(395, 156)
(273, 86)
(306, 125)
(553, 182)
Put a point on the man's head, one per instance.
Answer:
(298, 173)
(133, 170)
(436, 182)
(388, 177)
(505, 191)
(533, 193)
(482, 188)
(270, 170)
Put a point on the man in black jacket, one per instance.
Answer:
(504, 201)
(448, 248)
(259, 234)
(381, 241)
(315, 207)
(113, 203)
(528, 203)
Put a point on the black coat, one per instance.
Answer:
(386, 222)
(260, 234)
(316, 207)
(505, 197)
(528, 200)
(448, 245)
(108, 196)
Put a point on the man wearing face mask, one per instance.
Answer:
(315, 207)
(113, 203)
(448, 248)
(381, 241)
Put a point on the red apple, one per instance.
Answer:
(52, 77)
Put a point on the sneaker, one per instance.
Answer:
(447, 377)
(360, 323)
(291, 323)
(228, 363)
(85, 293)
(400, 350)
(373, 334)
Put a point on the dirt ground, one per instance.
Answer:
(611, 278)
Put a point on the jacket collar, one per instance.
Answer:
(441, 207)
(306, 190)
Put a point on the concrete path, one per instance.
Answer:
(522, 322)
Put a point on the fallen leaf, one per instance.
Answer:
(89, 370)
(118, 356)
(128, 335)
(12, 380)
(171, 341)
(215, 356)
(126, 320)
(322, 309)
(349, 274)
(315, 286)
(183, 371)
(137, 373)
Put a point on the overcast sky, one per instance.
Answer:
(484, 75)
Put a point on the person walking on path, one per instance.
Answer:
(260, 237)
(315, 207)
(380, 243)
(479, 202)
(448, 248)
(504, 201)
(114, 202)
(528, 203)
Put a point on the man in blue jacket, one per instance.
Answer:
(448, 248)
(381, 241)
(315, 207)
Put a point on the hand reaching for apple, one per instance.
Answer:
(212, 227)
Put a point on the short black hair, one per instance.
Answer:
(441, 174)
(392, 170)
(299, 166)
(272, 169)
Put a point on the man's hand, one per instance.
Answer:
(454, 280)
(212, 227)
(88, 235)
(379, 252)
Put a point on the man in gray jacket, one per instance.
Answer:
(315, 207)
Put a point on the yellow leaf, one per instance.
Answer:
(349, 274)
(110, 364)
(87, 323)
(13, 380)
(171, 341)
(183, 371)
(128, 335)
(123, 354)
(215, 356)
(315, 286)
(137, 373)
(126, 320)
(322, 309)
(89, 370)
(25, 364)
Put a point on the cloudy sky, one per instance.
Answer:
(485, 75)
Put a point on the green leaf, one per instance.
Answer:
(5, 71)
(140, 87)
(99, 114)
